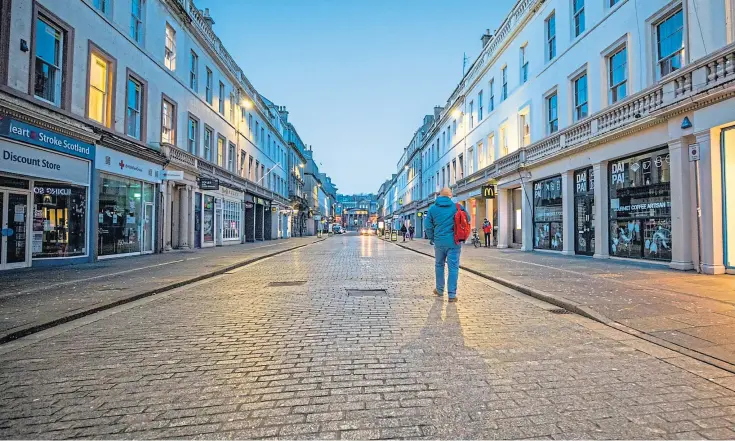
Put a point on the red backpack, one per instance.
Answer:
(461, 226)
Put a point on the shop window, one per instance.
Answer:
(547, 214)
(728, 194)
(208, 219)
(640, 206)
(59, 220)
(125, 216)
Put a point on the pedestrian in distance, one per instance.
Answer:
(447, 226)
(487, 228)
(404, 231)
(411, 231)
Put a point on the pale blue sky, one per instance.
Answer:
(357, 76)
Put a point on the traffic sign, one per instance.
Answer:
(694, 152)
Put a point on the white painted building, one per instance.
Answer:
(181, 150)
(581, 114)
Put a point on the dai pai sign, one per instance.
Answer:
(488, 191)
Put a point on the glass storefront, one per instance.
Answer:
(584, 211)
(640, 206)
(125, 216)
(547, 214)
(231, 220)
(728, 195)
(59, 220)
(208, 219)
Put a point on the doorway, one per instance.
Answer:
(147, 227)
(14, 210)
(727, 141)
(584, 212)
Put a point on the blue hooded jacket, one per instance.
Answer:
(439, 222)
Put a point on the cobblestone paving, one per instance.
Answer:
(237, 358)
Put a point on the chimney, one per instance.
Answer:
(208, 18)
(486, 37)
(437, 111)
(283, 113)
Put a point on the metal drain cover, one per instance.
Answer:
(290, 283)
(367, 292)
(559, 311)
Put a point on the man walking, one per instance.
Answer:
(411, 232)
(404, 231)
(487, 228)
(439, 227)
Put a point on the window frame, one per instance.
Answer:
(608, 57)
(111, 61)
(479, 106)
(208, 88)
(550, 46)
(656, 21)
(193, 71)
(576, 14)
(491, 102)
(553, 93)
(170, 62)
(504, 87)
(207, 129)
(67, 60)
(524, 115)
(174, 119)
(224, 151)
(524, 64)
(140, 22)
(130, 74)
(575, 105)
(221, 102)
(231, 159)
(192, 118)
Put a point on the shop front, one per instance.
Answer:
(640, 206)
(584, 212)
(548, 215)
(230, 221)
(44, 196)
(727, 141)
(127, 203)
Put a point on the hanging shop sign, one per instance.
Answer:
(420, 214)
(208, 183)
(19, 131)
(488, 191)
(126, 165)
(274, 209)
(172, 175)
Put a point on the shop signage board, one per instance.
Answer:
(112, 161)
(19, 131)
(172, 175)
(488, 191)
(23, 160)
(208, 183)
(235, 194)
(248, 205)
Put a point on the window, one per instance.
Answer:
(491, 103)
(169, 56)
(443, 180)
(250, 127)
(102, 5)
(136, 20)
(250, 167)
(208, 139)
(193, 136)
(242, 163)
(193, 70)
(66, 215)
(504, 149)
(133, 114)
(551, 37)
(268, 146)
(479, 106)
(472, 114)
(504, 92)
(617, 66)
(220, 151)
(525, 127)
(49, 58)
(257, 125)
(552, 114)
(262, 138)
(578, 11)
(470, 161)
(614, 2)
(208, 91)
(232, 107)
(670, 44)
(231, 221)
(491, 148)
(580, 98)
(99, 101)
(231, 157)
(168, 122)
(524, 66)
(221, 98)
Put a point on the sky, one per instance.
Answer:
(357, 76)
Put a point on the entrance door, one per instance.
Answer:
(584, 224)
(13, 246)
(148, 227)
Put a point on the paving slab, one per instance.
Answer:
(34, 298)
(686, 309)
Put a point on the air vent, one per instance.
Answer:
(290, 283)
(367, 292)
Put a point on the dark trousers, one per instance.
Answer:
(487, 239)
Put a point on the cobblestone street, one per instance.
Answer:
(237, 357)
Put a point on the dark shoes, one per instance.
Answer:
(452, 300)
(438, 294)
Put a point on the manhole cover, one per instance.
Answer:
(291, 283)
(559, 311)
(367, 292)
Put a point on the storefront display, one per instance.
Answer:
(584, 211)
(208, 219)
(125, 215)
(547, 214)
(231, 220)
(640, 206)
(59, 220)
